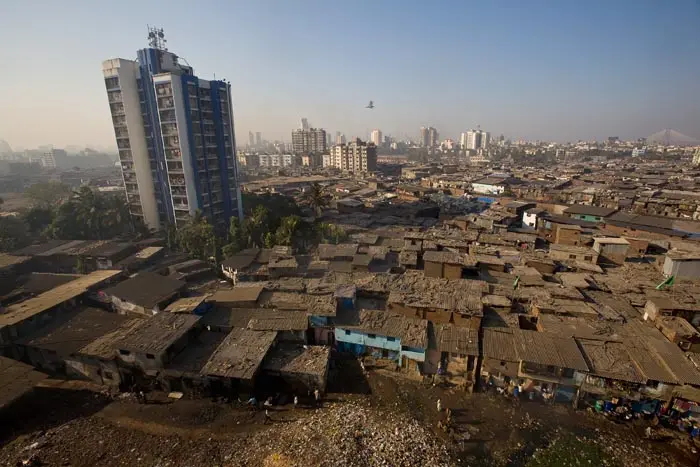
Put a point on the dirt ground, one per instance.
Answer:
(374, 419)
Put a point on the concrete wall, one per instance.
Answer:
(356, 337)
(127, 71)
(530, 220)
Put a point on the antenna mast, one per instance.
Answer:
(156, 38)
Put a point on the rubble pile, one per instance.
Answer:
(353, 435)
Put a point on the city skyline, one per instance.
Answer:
(624, 69)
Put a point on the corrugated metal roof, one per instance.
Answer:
(675, 360)
(548, 349)
(457, 339)
(499, 344)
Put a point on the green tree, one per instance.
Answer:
(38, 218)
(48, 193)
(236, 240)
(317, 198)
(257, 225)
(171, 237)
(80, 266)
(91, 216)
(330, 233)
(288, 230)
(197, 237)
(13, 234)
(269, 240)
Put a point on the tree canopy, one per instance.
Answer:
(197, 238)
(90, 215)
(48, 193)
(317, 198)
(13, 234)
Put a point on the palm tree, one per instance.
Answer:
(288, 230)
(317, 198)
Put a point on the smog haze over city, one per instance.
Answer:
(530, 70)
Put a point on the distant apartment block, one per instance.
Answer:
(277, 160)
(306, 141)
(175, 135)
(355, 157)
(376, 137)
(475, 139)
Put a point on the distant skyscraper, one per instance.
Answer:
(175, 137)
(251, 139)
(304, 124)
(310, 140)
(477, 139)
(258, 139)
(376, 137)
(339, 138)
(463, 137)
(424, 137)
(433, 137)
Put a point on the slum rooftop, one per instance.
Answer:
(240, 354)
(157, 333)
(61, 294)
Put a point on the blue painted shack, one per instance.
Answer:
(386, 336)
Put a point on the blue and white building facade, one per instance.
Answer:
(175, 136)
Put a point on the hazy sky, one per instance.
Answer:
(560, 70)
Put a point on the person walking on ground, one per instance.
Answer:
(439, 405)
(317, 397)
(268, 419)
(296, 401)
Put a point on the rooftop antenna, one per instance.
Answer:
(156, 38)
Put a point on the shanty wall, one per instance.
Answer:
(589, 257)
(682, 269)
(436, 316)
(432, 269)
(613, 252)
(564, 236)
(452, 271)
(101, 372)
(491, 366)
(637, 246)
